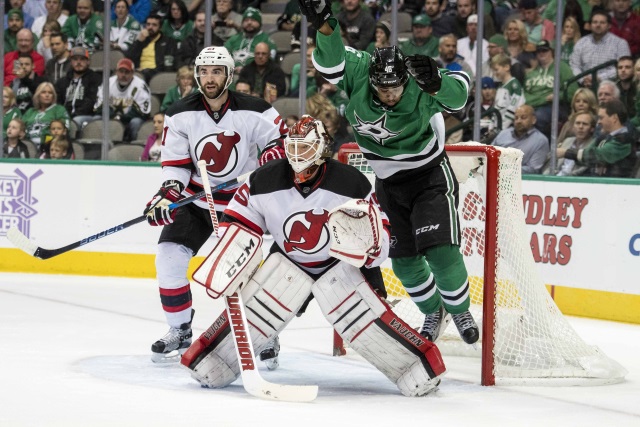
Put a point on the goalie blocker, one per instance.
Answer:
(274, 295)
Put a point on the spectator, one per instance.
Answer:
(243, 86)
(138, 9)
(597, 48)
(59, 149)
(311, 76)
(124, 28)
(129, 98)
(338, 97)
(177, 25)
(498, 46)
(525, 137)
(226, 22)
(614, 154)
(152, 51)
(518, 46)
(38, 118)
(18, 4)
(464, 9)
(537, 27)
(488, 124)
(84, 29)
(194, 43)
(78, 90)
(468, 46)
(422, 41)
(10, 109)
(185, 86)
(381, 36)
(289, 17)
(153, 147)
(44, 45)
(583, 101)
(242, 45)
(34, 8)
(449, 58)
(264, 74)
(583, 127)
(14, 147)
(26, 82)
(161, 8)
(25, 45)
(15, 23)
(58, 66)
(626, 24)
(538, 87)
(57, 128)
(579, 10)
(570, 36)
(358, 24)
(510, 94)
(625, 84)
(607, 91)
(54, 13)
(441, 24)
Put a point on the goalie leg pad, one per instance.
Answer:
(375, 332)
(272, 298)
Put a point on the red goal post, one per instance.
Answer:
(525, 339)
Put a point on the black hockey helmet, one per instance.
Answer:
(387, 68)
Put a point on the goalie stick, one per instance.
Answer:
(252, 381)
(22, 242)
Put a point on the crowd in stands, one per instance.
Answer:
(49, 82)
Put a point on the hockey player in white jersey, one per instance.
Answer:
(329, 239)
(227, 130)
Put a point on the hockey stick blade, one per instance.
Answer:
(19, 240)
(252, 381)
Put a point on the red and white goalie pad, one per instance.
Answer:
(231, 263)
(356, 233)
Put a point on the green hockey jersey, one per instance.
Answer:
(88, 35)
(37, 122)
(397, 141)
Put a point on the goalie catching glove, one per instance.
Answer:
(424, 70)
(357, 234)
(316, 11)
(157, 210)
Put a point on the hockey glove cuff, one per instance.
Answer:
(424, 70)
(272, 151)
(157, 210)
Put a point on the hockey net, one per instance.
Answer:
(525, 339)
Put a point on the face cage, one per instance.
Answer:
(301, 149)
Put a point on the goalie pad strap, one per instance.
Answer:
(375, 332)
(272, 299)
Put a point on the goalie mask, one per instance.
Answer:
(307, 146)
(214, 55)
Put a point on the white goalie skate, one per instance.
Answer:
(270, 354)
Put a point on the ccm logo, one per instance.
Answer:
(242, 258)
(427, 229)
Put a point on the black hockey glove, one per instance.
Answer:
(316, 11)
(424, 70)
(157, 210)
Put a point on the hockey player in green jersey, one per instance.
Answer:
(395, 106)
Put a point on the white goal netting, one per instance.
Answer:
(525, 337)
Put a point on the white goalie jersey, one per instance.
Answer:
(296, 215)
(229, 141)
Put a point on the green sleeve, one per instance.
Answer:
(611, 152)
(295, 78)
(454, 90)
(171, 97)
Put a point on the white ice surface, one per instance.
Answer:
(75, 352)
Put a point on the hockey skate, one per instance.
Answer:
(435, 324)
(270, 354)
(467, 327)
(170, 348)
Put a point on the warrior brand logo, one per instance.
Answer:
(427, 228)
(16, 201)
(306, 232)
(376, 130)
(220, 151)
(244, 256)
(215, 327)
(408, 333)
(241, 333)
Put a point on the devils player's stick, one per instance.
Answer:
(252, 381)
(21, 241)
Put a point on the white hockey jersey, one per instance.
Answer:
(137, 95)
(229, 141)
(296, 215)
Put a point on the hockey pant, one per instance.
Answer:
(376, 333)
(272, 298)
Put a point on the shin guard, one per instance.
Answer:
(375, 332)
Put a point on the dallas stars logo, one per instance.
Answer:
(376, 130)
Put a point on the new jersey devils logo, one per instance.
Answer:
(306, 232)
(220, 151)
